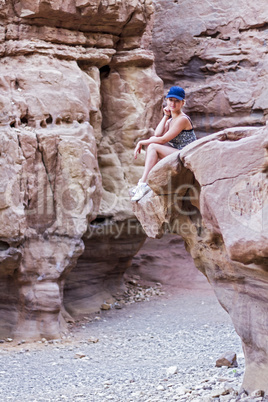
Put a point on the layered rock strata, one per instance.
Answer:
(78, 87)
(219, 54)
(215, 195)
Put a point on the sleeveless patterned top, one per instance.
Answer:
(184, 138)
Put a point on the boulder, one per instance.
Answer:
(219, 207)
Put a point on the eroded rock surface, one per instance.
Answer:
(218, 53)
(78, 87)
(216, 197)
(98, 275)
(50, 188)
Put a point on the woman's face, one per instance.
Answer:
(174, 103)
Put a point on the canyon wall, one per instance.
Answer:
(78, 87)
(218, 52)
(222, 215)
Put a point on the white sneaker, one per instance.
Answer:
(133, 190)
(141, 190)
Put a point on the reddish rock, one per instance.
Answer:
(219, 55)
(228, 359)
(77, 81)
(222, 216)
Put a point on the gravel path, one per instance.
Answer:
(164, 349)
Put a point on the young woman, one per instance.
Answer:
(174, 132)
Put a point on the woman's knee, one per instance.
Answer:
(152, 147)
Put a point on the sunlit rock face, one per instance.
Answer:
(215, 195)
(78, 87)
(219, 53)
(50, 188)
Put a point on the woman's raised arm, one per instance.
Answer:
(162, 126)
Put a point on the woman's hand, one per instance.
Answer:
(167, 112)
(137, 149)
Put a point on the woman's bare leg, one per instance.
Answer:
(153, 154)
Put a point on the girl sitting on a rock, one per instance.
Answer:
(174, 132)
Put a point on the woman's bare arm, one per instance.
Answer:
(162, 126)
(174, 130)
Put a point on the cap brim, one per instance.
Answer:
(175, 96)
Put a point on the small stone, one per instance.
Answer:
(117, 305)
(181, 391)
(228, 359)
(79, 355)
(217, 392)
(228, 391)
(105, 306)
(172, 370)
(224, 379)
(243, 394)
(258, 393)
(227, 398)
(9, 340)
(2, 341)
(111, 300)
(133, 282)
(160, 388)
(93, 340)
(44, 340)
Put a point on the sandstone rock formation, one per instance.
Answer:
(215, 195)
(77, 83)
(166, 261)
(50, 188)
(218, 52)
(98, 275)
(78, 88)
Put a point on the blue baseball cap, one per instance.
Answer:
(176, 92)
